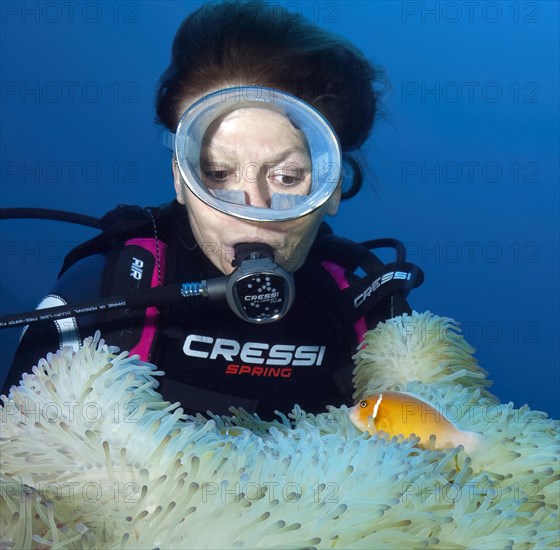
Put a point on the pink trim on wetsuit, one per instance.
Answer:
(144, 345)
(337, 273)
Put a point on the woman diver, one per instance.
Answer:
(262, 109)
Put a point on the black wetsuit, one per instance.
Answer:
(213, 359)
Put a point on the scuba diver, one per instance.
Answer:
(262, 110)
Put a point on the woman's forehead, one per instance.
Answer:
(247, 128)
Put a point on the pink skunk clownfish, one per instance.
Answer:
(399, 413)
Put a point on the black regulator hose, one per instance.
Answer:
(48, 214)
(141, 299)
(257, 291)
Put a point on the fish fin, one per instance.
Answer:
(370, 426)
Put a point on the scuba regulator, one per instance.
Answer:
(258, 290)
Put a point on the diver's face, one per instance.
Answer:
(258, 152)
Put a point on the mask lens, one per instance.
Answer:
(257, 154)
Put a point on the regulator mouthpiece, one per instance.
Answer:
(259, 290)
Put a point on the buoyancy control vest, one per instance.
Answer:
(212, 359)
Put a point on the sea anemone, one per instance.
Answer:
(93, 457)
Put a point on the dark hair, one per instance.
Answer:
(255, 43)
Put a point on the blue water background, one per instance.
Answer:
(463, 165)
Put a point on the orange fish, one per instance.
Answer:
(399, 413)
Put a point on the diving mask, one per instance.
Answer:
(257, 153)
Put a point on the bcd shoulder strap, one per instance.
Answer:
(138, 265)
(363, 280)
(121, 223)
(136, 259)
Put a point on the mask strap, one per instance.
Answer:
(168, 139)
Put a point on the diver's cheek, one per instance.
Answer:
(210, 241)
(291, 256)
(292, 245)
(299, 239)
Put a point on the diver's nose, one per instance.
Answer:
(257, 192)
(258, 196)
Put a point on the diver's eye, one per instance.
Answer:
(217, 175)
(286, 180)
(363, 404)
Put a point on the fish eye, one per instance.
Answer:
(363, 404)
